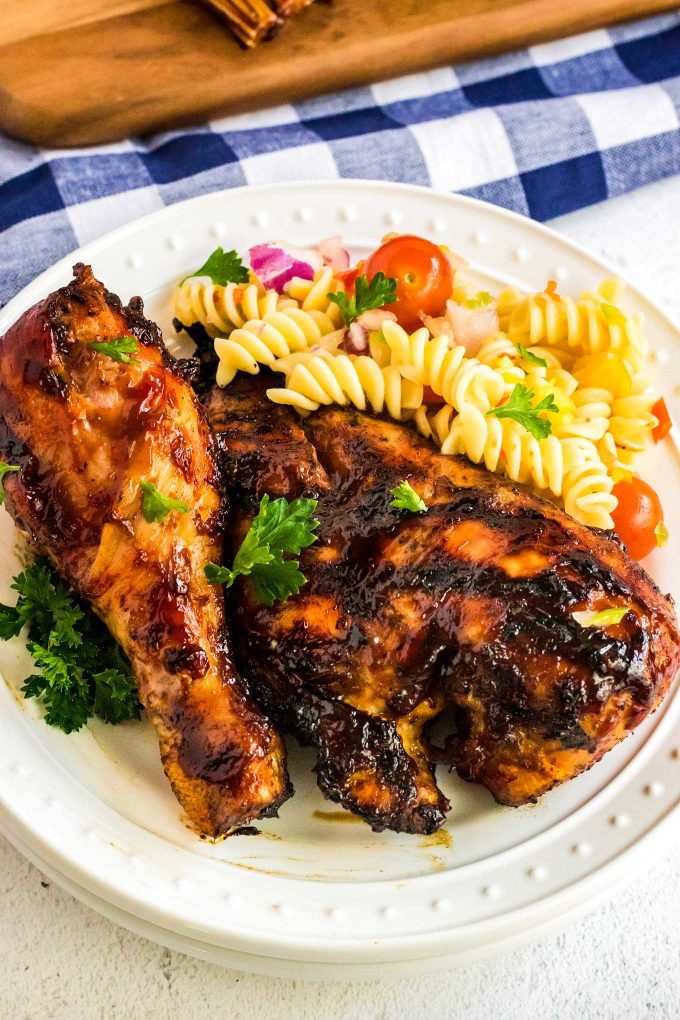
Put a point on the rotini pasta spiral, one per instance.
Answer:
(434, 425)
(587, 492)
(312, 295)
(500, 348)
(342, 379)
(566, 463)
(446, 370)
(496, 349)
(632, 423)
(590, 324)
(221, 309)
(570, 468)
(590, 417)
(503, 445)
(262, 341)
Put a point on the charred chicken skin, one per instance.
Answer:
(85, 431)
(466, 609)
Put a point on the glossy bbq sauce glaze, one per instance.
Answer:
(466, 609)
(86, 429)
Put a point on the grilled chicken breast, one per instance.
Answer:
(465, 610)
(85, 430)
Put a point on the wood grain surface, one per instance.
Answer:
(73, 72)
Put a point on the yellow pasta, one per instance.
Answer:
(434, 425)
(566, 464)
(592, 409)
(326, 379)
(631, 424)
(221, 309)
(570, 469)
(312, 295)
(591, 324)
(263, 341)
(446, 370)
(498, 349)
(588, 494)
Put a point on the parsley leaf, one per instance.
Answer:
(603, 618)
(119, 349)
(113, 697)
(215, 574)
(279, 528)
(4, 469)
(482, 300)
(277, 581)
(62, 688)
(518, 407)
(406, 498)
(533, 359)
(156, 506)
(222, 267)
(380, 291)
(83, 672)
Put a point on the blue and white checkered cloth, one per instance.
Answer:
(543, 131)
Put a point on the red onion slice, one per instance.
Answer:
(276, 263)
(356, 340)
(456, 261)
(471, 326)
(373, 319)
(438, 325)
(334, 253)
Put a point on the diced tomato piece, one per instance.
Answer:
(660, 412)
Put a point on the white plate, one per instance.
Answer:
(313, 896)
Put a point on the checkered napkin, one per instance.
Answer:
(543, 131)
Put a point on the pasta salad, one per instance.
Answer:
(547, 389)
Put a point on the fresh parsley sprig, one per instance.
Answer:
(222, 267)
(406, 498)
(156, 506)
(118, 349)
(279, 529)
(520, 409)
(83, 671)
(4, 469)
(533, 359)
(377, 293)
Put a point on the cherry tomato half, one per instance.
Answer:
(637, 516)
(660, 412)
(423, 274)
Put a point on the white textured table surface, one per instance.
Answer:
(60, 961)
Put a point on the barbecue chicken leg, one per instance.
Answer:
(85, 431)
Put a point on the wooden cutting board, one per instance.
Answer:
(74, 72)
